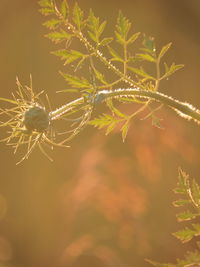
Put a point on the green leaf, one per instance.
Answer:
(104, 120)
(195, 190)
(52, 24)
(106, 41)
(101, 28)
(78, 16)
(47, 11)
(124, 130)
(184, 235)
(111, 127)
(45, 3)
(183, 183)
(181, 202)
(100, 76)
(133, 38)
(58, 36)
(141, 73)
(75, 81)
(115, 55)
(123, 27)
(170, 70)
(186, 216)
(146, 57)
(96, 29)
(164, 50)
(64, 9)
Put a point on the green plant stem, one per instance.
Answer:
(185, 110)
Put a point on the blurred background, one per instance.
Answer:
(102, 202)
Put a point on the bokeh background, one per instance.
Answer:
(101, 202)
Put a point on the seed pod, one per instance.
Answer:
(36, 119)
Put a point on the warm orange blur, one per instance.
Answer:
(101, 202)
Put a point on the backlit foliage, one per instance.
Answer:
(190, 200)
(126, 63)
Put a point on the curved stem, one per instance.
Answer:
(184, 109)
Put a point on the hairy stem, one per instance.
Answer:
(184, 109)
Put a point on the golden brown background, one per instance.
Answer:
(101, 202)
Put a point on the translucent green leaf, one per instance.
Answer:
(78, 16)
(116, 56)
(141, 73)
(195, 190)
(124, 130)
(170, 70)
(64, 9)
(96, 29)
(104, 120)
(146, 57)
(100, 76)
(45, 3)
(47, 11)
(133, 38)
(71, 56)
(52, 24)
(58, 36)
(123, 27)
(101, 28)
(181, 202)
(106, 41)
(164, 50)
(111, 127)
(75, 81)
(93, 37)
(184, 235)
(186, 216)
(183, 183)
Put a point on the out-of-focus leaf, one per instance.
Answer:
(123, 27)
(186, 216)
(78, 16)
(141, 73)
(75, 81)
(146, 57)
(184, 235)
(196, 227)
(52, 24)
(58, 36)
(124, 130)
(47, 11)
(133, 38)
(181, 202)
(170, 70)
(164, 50)
(100, 76)
(195, 190)
(116, 56)
(183, 183)
(45, 3)
(95, 28)
(64, 9)
(106, 41)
